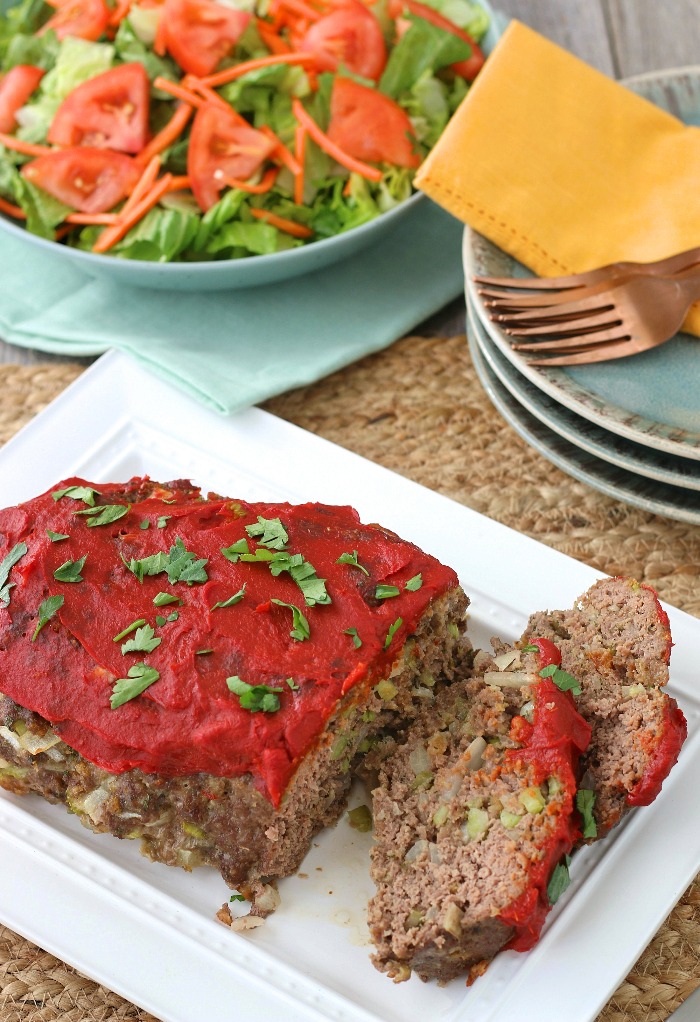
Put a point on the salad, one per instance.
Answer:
(183, 130)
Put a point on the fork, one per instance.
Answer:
(512, 292)
(606, 323)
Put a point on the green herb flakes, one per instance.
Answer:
(352, 560)
(160, 620)
(232, 600)
(84, 493)
(564, 681)
(56, 537)
(292, 684)
(300, 626)
(163, 599)
(104, 515)
(145, 524)
(50, 606)
(138, 679)
(415, 583)
(234, 552)
(69, 571)
(384, 592)
(144, 641)
(559, 880)
(356, 640)
(271, 532)
(393, 629)
(201, 652)
(163, 521)
(180, 564)
(129, 628)
(237, 897)
(304, 574)
(6, 565)
(256, 698)
(585, 801)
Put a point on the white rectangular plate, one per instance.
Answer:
(149, 933)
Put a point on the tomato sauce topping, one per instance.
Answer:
(188, 720)
(665, 754)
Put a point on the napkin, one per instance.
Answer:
(236, 348)
(562, 167)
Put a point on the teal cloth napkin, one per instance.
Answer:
(234, 349)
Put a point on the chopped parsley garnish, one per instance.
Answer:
(292, 684)
(145, 641)
(56, 537)
(256, 698)
(237, 897)
(50, 606)
(384, 592)
(356, 640)
(233, 553)
(145, 524)
(163, 599)
(6, 565)
(232, 600)
(180, 564)
(104, 515)
(564, 681)
(201, 652)
(352, 560)
(163, 521)
(393, 629)
(415, 583)
(300, 626)
(559, 880)
(69, 571)
(271, 532)
(585, 801)
(129, 628)
(304, 574)
(160, 620)
(138, 679)
(84, 493)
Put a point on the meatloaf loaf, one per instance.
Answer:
(201, 674)
(616, 640)
(474, 815)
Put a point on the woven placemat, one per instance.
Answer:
(418, 409)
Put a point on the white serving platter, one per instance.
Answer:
(148, 932)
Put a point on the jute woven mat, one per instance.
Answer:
(417, 408)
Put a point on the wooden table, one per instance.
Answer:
(619, 37)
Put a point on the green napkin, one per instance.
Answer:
(234, 349)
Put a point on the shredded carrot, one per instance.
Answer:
(231, 73)
(347, 190)
(301, 9)
(27, 148)
(265, 184)
(159, 46)
(282, 154)
(274, 42)
(61, 232)
(142, 186)
(167, 135)
(11, 210)
(325, 143)
(120, 11)
(178, 182)
(282, 224)
(111, 235)
(91, 218)
(178, 91)
(300, 148)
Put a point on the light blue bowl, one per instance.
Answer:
(235, 273)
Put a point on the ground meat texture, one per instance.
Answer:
(468, 829)
(225, 822)
(616, 641)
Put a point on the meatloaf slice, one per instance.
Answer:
(202, 674)
(473, 815)
(616, 640)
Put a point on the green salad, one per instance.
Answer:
(189, 130)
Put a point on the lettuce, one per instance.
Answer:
(44, 213)
(469, 16)
(424, 47)
(17, 26)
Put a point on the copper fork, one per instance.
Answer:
(630, 317)
(526, 292)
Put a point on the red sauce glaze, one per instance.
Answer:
(552, 745)
(548, 652)
(664, 757)
(188, 721)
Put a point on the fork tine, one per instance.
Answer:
(598, 353)
(586, 304)
(565, 327)
(574, 341)
(496, 301)
(543, 283)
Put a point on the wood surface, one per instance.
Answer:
(619, 37)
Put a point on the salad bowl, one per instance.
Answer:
(144, 266)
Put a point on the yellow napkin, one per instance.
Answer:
(564, 168)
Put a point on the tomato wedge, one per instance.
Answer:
(371, 126)
(89, 180)
(199, 33)
(221, 146)
(15, 89)
(349, 37)
(109, 111)
(84, 18)
(468, 68)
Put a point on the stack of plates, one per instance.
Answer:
(629, 428)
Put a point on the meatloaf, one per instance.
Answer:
(616, 640)
(201, 674)
(474, 815)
